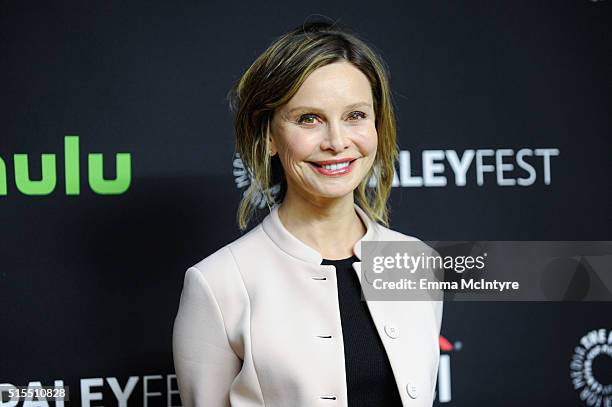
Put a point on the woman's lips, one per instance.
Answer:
(334, 173)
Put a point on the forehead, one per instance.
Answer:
(333, 86)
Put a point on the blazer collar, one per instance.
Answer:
(290, 244)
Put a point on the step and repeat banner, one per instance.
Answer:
(118, 172)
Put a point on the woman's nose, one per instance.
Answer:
(336, 137)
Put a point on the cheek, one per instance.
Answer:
(367, 139)
(299, 147)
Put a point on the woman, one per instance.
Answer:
(275, 318)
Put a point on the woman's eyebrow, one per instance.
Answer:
(309, 108)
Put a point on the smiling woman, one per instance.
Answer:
(318, 94)
(275, 318)
(328, 155)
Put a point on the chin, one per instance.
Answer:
(334, 193)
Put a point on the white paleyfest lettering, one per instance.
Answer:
(498, 162)
(429, 176)
(90, 392)
(122, 395)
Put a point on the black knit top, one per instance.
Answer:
(369, 378)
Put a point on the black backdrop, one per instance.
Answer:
(90, 282)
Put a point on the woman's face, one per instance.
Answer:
(330, 118)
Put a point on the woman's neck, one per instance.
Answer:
(332, 228)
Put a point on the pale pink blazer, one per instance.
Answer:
(258, 325)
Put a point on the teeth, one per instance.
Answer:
(334, 167)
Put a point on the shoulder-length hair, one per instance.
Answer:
(274, 78)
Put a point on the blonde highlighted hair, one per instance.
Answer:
(274, 78)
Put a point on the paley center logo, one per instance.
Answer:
(447, 348)
(439, 168)
(48, 179)
(587, 368)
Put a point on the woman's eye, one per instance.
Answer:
(312, 118)
(357, 115)
(307, 119)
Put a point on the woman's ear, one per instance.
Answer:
(272, 150)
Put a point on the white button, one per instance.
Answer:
(412, 390)
(392, 331)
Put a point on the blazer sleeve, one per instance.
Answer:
(204, 361)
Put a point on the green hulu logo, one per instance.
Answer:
(46, 184)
